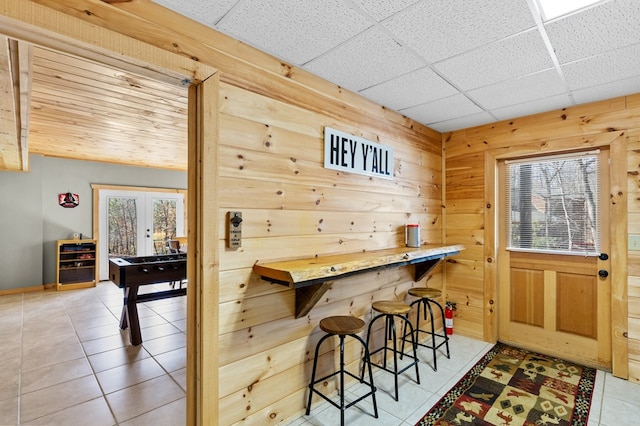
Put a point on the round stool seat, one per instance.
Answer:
(391, 307)
(425, 292)
(341, 325)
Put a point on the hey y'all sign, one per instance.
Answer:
(353, 154)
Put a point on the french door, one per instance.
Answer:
(558, 303)
(137, 223)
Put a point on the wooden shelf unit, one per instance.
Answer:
(75, 264)
(312, 277)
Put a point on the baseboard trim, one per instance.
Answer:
(33, 289)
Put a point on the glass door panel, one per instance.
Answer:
(137, 223)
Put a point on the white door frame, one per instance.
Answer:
(146, 196)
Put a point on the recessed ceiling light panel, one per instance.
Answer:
(553, 8)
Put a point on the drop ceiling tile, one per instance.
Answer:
(366, 60)
(462, 122)
(533, 107)
(417, 87)
(442, 109)
(599, 29)
(296, 31)
(519, 90)
(503, 60)
(608, 91)
(439, 29)
(382, 9)
(605, 68)
(203, 11)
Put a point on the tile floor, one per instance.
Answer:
(66, 362)
(615, 402)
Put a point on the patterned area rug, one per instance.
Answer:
(514, 387)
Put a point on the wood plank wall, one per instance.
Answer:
(467, 206)
(270, 123)
(633, 176)
(271, 169)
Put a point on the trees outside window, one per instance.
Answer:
(553, 204)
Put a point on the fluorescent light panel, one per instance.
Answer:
(554, 8)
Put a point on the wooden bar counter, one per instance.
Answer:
(312, 277)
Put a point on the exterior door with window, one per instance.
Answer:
(554, 287)
(137, 223)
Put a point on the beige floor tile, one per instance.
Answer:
(97, 321)
(173, 414)
(41, 311)
(105, 344)
(50, 400)
(54, 317)
(79, 307)
(173, 360)
(95, 413)
(9, 411)
(152, 320)
(169, 307)
(165, 344)
(144, 397)
(98, 311)
(117, 357)
(44, 298)
(49, 351)
(11, 323)
(175, 315)
(181, 324)
(9, 379)
(10, 301)
(144, 311)
(11, 346)
(156, 331)
(55, 327)
(180, 376)
(51, 375)
(128, 375)
(99, 332)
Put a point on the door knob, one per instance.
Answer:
(603, 256)
(603, 273)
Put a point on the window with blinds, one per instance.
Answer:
(553, 204)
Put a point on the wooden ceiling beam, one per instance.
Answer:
(25, 60)
(15, 74)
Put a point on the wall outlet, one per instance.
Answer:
(634, 242)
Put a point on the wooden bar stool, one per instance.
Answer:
(390, 309)
(342, 326)
(427, 297)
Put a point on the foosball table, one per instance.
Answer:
(129, 273)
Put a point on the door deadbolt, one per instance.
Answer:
(603, 273)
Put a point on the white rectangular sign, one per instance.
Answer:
(353, 154)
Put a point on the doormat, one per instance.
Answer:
(515, 387)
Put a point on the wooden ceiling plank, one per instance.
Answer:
(10, 122)
(57, 59)
(84, 106)
(116, 89)
(124, 81)
(25, 60)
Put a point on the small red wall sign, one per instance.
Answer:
(68, 200)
